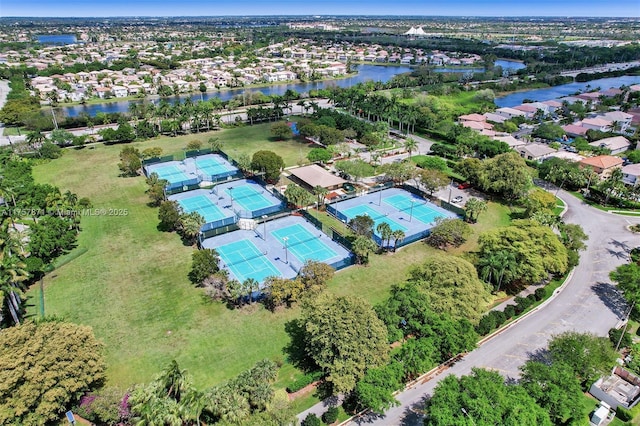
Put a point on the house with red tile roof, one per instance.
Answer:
(603, 165)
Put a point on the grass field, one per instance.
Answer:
(129, 281)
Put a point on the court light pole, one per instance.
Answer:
(411, 211)
(380, 198)
(286, 253)
(467, 414)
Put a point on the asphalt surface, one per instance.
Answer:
(588, 302)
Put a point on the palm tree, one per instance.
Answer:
(12, 274)
(320, 192)
(612, 183)
(174, 381)
(34, 138)
(191, 223)
(489, 267)
(473, 208)
(398, 236)
(362, 246)
(250, 285)
(495, 267)
(385, 231)
(410, 145)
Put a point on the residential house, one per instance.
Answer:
(472, 117)
(553, 105)
(619, 389)
(511, 141)
(528, 109)
(119, 91)
(603, 165)
(620, 120)
(616, 144)
(509, 113)
(631, 174)
(596, 123)
(535, 151)
(495, 118)
(574, 130)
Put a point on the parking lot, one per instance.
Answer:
(457, 196)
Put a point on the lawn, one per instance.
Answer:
(129, 281)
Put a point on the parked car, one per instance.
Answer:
(457, 199)
(464, 185)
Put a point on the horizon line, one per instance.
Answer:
(316, 15)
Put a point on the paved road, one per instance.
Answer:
(588, 303)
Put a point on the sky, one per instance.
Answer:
(87, 8)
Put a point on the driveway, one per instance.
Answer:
(589, 302)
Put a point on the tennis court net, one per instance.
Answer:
(246, 259)
(306, 240)
(242, 197)
(406, 209)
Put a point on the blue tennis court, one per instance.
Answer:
(211, 167)
(244, 260)
(249, 198)
(373, 214)
(171, 174)
(303, 244)
(203, 205)
(420, 210)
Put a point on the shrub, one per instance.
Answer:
(311, 420)
(616, 335)
(509, 311)
(532, 299)
(486, 325)
(331, 415)
(624, 414)
(540, 293)
(499, 317)
(523, 303)
(303, 381)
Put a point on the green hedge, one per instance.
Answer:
(303, 381)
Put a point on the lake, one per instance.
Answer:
(57, 39)
(365, 73)
(555, 92)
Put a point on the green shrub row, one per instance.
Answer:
(303, 381)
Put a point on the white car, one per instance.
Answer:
(457, 199)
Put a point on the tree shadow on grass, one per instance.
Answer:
(612, 298)
(295, 349)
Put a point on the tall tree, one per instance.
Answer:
(483, 399)
(44, 368)
(362, 247)
(588, 356)
(448, 232)
(473, 208)
(555, 388)
(507, 175)
(537, 250)
(362, 225)
(384, 230)
(268, 162)
(344, 337)
(453, 286)
(190, 225)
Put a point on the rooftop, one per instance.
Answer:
(315, 175)
(602, 161)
